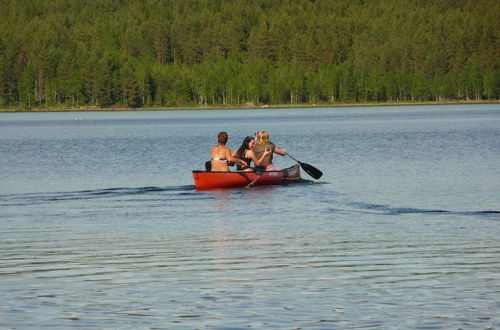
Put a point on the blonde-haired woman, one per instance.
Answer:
(263, 144)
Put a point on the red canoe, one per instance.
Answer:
(211, 180)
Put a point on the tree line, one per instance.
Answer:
(145, 53)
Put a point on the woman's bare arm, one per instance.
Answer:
(279, 151)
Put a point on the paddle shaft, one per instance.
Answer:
(309, 169)
(253, 182)
(259, 170)
(295, 159)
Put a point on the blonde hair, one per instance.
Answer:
(263, 137)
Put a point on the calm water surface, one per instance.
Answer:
(101, 226)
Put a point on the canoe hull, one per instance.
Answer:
(211, 180)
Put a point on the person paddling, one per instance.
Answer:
(221, 155)
(262, 146)
(246, 153)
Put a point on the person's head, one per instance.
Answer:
(252, 142)
(248, 143)
(222, 138)
(263, 137)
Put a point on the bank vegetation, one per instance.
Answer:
(174, 53)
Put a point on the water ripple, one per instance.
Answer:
(392, 210)
(33, 198)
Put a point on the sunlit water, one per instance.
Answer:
(101, 226)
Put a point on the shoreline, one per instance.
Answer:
(240, 107)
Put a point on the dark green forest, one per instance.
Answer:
(160, 53)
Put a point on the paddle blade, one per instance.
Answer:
(311, 170)
(208, 166)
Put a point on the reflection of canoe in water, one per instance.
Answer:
(210, 180)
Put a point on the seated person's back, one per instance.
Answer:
(221, 155)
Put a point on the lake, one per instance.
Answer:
(101, 226)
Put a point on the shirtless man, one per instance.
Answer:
(222, 155)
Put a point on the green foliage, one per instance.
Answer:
(185, 52)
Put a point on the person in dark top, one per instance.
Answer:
(245, 152)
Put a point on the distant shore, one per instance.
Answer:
(238, 107)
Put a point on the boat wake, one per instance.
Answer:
(169, 192)
(46, 197)
(391, 210)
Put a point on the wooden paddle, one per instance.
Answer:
(259, 170)
(309, 169)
